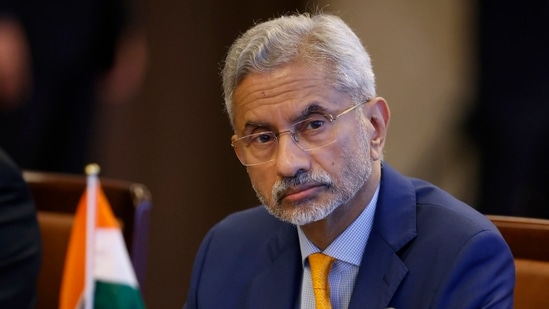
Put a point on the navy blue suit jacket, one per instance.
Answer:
(426, 250)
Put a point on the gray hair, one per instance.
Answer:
(321, 40)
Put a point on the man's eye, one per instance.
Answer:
(263, 138)
(311, 124)
(314, 124)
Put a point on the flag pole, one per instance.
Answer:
(92, 171)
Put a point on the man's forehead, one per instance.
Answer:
(282, 96)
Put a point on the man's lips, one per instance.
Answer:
(299, 193)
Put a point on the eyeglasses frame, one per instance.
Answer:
(328, 117)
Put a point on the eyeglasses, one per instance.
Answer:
(317, 131)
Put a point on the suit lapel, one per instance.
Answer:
(381, 270)
(379, 275)
(279, 285)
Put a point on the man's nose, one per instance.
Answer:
(290, 158)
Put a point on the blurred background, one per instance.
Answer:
(467, 83)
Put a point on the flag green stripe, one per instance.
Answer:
(116, 296)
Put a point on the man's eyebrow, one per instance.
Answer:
(252, 125)
(312, 108)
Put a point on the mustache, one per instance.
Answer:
(301, 178)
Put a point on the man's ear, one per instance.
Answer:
(379, 116)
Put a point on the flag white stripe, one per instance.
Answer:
(112, 261)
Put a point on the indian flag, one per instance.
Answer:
(98, 272)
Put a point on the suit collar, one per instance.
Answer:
(381, 270)
(396, 212)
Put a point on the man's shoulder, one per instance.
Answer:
(433, 209)
(452, 240)
(434, 203)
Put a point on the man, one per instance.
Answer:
(308, 126)
(20, 244)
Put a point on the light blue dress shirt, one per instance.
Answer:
(348, 249)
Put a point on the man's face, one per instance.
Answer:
(300, 186)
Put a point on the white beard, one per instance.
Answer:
(354, 175)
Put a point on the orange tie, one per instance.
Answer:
(320, 269)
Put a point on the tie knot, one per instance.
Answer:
(321, 263)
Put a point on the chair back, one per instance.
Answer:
(528, 239)
(56, 196)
